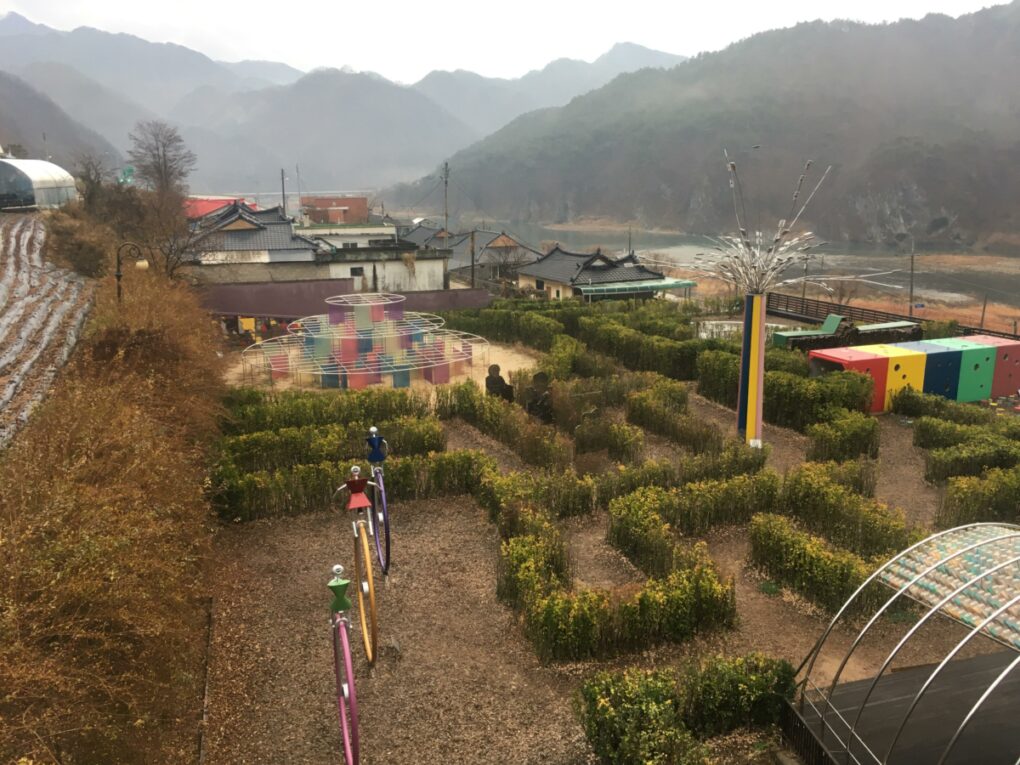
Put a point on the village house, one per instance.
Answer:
(562, 274)
(497, 254)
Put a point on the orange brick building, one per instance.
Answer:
(335, 210)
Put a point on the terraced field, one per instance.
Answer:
(42, 310)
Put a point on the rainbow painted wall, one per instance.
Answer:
(968, 368)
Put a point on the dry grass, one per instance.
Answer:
(103, 534)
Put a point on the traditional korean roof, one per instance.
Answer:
(577, 268)
(240, 228)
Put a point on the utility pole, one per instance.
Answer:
(297, 171)
(283, 191)
(446, 203)
(803, 284)
(910, 311)
(472, 258)
(984, 307)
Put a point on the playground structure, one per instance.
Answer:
(971, 368)
(364, 339)
(958, 711)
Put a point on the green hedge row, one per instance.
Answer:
(533, 442)
(283, 447)
(845, 518)
(972, 457)
(995, 496)
(637, 529)
(645, 717)
(847, 436)
(809, 565)
(719, 377)
(250, 411)
(309, 488)
(508, 326)
(573, 399)
(662, 409)
(697, 507)
(934, 433)
(911, 403)
(624, 443)
(568, 357)
(860, 476)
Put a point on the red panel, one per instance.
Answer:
(860, 361)
(1006, 379)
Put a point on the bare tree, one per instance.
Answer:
(161, 159)
(93, 172)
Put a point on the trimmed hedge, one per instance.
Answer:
(719, 377)
(911, 403)
(860, 476)
(995, 496)
(293, 409)
(643, 717)
(274, 449)
(637, 529)
(662, 410)
(310, 488)
(797, 402)
(973, 457)
(533, 442)
(846, 437)
(624, 443)
(845, 518)
(508, 326)
(699, 506)
(934, 433)
(825, 575)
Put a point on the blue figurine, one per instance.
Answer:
(377, 447)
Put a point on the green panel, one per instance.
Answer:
(977, 367)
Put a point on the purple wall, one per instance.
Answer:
(290, 300)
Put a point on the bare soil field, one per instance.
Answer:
(42, 310)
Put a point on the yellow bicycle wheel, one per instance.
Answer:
(366, 590)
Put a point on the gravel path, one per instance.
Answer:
(594, 563)
(901, 473)
(455, 681)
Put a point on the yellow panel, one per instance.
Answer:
(906, 367)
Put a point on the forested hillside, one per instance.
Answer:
(920, 120)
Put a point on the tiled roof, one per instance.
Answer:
(460, 244)
(272, 231)
(565, 267)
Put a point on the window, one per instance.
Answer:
(539, 284)
(557, 294)
(357, 270)
(349, 245)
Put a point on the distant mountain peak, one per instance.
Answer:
(12, 23)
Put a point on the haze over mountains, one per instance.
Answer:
(246, 120)
(919, 119)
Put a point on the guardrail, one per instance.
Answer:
(809, 309)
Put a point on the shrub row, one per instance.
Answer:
(309, 488)
(533, 442)
(842, 516)
(995, 496)
(972, 457)
(847, 436)
(567, 625)
(934, 433)
(860, 476)
(643, 717)
(825, 575)
(572, 399)
(508, 326)
(637, 529)
(719, 377)
(269, 449)
(662, 410)
(911, 403)
(249, 412)
(568, 356)
(624, 443)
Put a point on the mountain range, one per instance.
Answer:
(919, 119)
(246, 120)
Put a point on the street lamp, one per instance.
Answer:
(135, 252)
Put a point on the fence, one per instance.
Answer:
(808, 309)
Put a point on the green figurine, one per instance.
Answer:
(338, 585)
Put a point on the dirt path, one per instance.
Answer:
(788, 447)
(461, 435)
(455, 681)
(596, 564)
(901, 473)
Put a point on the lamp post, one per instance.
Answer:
(135, 252)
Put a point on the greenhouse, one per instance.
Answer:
(34, 183)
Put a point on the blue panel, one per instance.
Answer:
(401, 379)
(364, 345)
(942, 370)
(330, 380)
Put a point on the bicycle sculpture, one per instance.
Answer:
(357, 503)
(343, 665)
(378, 449)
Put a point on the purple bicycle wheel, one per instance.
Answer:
(346, 698)
(381, 521)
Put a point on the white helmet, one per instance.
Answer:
(373, 430)
(355, 470)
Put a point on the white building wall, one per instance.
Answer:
(392, 275)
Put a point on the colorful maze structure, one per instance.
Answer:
(971, 368)
(364, 339)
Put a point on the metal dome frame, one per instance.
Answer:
(960, 573)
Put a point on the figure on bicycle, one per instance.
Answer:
(356, 486)
(378, 447)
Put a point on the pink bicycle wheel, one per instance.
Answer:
(346, 698)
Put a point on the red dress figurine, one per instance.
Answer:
(356, 486)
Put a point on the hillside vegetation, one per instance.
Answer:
(920, 120)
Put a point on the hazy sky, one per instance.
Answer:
(405, 40)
